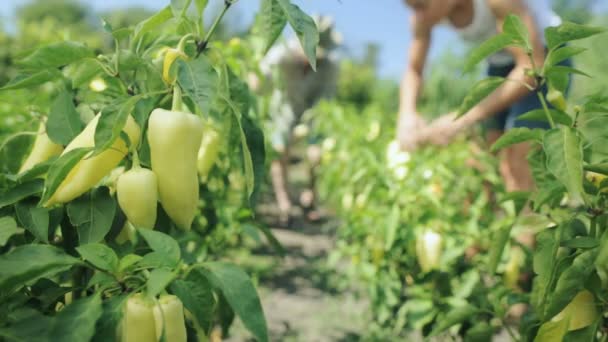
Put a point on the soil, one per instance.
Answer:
(300, 294)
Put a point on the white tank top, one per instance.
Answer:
(483, 25)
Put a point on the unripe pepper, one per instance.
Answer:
(428, 250)
(175, 139)
(42, 150)
(209, 150)
(137, 193)
(170, 56)
(513, 268)
(90, 170)
(169, 318)
(596, 179)
(556, 99)
(138, 323)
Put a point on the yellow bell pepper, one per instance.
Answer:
(42, 150)
(138, 323)
(175, 139)
(169, 318)
(90, 170)
(137, 193)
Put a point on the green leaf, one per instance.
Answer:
(93, 214)
(199, 81)
(486, 49)
(570, 282)
(392, 226)
(274, 242)
(100, 256)
(598, 168)
(28, 263)
(31, 80)
(240, 293)
(111, 123)
(8, 228)
(64, 123)
(128, 261)
(305, 29)
(84, 71)
(152, 22)
(568, 32)
(77, 321)
(565, 159)
(110, 319)
(515, 28)
(179, 6)
(252, 139)
(499, 240)
(163, 244)
(478, 92)
(558, 116)
(21, 191)
(552, 331)
(60, 169)
(159, 279)
(518, 135)
(453, 317)
(582, 242)
(563, 70)
(196, 294)
(272, 21)
(561, 54)
(200, 7)
(480, 332)
(33, 218)
(56, 55)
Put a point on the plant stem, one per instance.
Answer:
(545, 108)
(177, 104)
(593, 227)
(202, 45)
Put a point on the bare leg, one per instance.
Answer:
(278, 171)
(308, 196)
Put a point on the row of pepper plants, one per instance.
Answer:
(431, 236)
(113, 225)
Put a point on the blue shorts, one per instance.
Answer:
(507, 119)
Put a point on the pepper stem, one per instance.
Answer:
(136, 164)
(177, 104)
(182, 42)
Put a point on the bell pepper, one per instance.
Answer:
(596, 179)
(513, 268)
(138, 323)
(169, 319)
(137, 193)
(175, 139)
(556, 99)
(171, 55)
(91, 169)
(209, 150)
(428, 250)
(43, 149)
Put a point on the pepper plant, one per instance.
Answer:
(87, 252)
(436, 254)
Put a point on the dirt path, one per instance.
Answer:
(300, 293)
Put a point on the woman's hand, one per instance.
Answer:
(408, 130)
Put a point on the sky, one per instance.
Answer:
(360, 21)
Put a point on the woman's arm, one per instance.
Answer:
(510, 92)
(411, 84)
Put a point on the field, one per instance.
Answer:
(141, 162)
